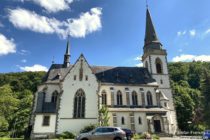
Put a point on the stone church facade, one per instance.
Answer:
(139, 98)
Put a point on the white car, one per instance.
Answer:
(103, 133)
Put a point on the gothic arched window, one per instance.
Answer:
(104, 98)
(79, 104)
(119, 98)
(149, 99)
(158, 64)
(122, 120)
(54, 97)
(134, 98)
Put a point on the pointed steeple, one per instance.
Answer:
(66, 61)
(151, 38)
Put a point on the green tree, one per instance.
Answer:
(22, 115)
(206, 94)
(8, 106)
(3, 127)
(184, 107)
(194, 74)
(178, 71)
(104, 116)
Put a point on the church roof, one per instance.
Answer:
(56, 73)
(125, 75)
(105, 74)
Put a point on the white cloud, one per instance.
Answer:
(23, 60)
(207, 31)
(192, 32)
(25, 19)
(54, 5)
(188, 57)
(87, 23)
(138, 58)
(6, 45)
(35, 67)
(181, 33)
(24, 52)
(139, 65)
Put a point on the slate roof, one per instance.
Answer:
(56, 71)
(125, 75)
(105, 74)
(150, 33)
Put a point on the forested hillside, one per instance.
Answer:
(191, 91)
(16, 94)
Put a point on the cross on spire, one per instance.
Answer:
(147, 4)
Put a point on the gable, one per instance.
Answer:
(80, 71)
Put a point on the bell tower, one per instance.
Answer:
(155, 60)
(155, 57)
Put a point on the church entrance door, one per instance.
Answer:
(157, 126)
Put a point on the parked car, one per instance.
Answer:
(206, 135)
(129, 133)
(103, 133)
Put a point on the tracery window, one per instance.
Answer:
(104, 98)
(79, 104)
(119, 98)
(149, 99)
(134, 98)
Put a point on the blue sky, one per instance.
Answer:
(107, 32)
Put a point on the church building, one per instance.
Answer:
(138, 98)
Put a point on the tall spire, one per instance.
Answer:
(150, 34)
(66, 61)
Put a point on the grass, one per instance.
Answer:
(4, 138)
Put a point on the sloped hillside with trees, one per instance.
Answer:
(190, 84)
(16, 97)
(191, 92)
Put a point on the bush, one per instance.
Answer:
(155, 137)
(146, 135)
(66, 135)
(88, 128)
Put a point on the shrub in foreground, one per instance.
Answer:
(88, 128)
(66, 135)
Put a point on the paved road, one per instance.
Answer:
(181, 138)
